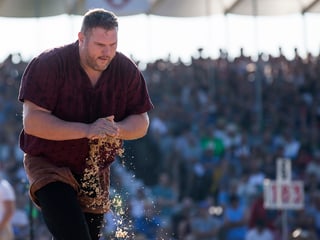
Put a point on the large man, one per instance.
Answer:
(80, 101)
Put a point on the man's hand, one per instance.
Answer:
(102, 127)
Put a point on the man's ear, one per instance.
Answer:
(80, 36)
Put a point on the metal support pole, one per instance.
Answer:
(284, 224)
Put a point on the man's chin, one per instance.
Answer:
(101, 67)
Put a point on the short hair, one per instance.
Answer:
(99, 17)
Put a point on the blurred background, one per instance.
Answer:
(235, 84)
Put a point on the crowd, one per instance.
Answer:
(217, 130)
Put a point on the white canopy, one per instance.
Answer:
(34, 8)
(192, 8)
(172, 8)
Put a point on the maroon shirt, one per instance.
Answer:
(56, 81)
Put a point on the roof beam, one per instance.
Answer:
(310, 6)
(154, 5)
(233, 6)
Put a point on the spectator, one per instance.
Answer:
(7, 208)
(165, 197)
(181, 219)
(303, 224)
(313, 167)
(259, 232)
(314, 211)
(235, 220)
(204, 226)
(20, 219)
(148, 225)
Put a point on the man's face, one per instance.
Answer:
(98, 48)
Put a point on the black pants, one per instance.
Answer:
(63, 215)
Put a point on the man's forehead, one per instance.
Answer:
(99, 31)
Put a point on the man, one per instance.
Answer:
(7, 208)
(80, 101)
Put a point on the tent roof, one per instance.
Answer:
(171, 8)
(192, 8)
(34, 8)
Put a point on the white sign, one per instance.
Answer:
(283, 169)
(283, 194)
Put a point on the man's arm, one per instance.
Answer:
(133, 127)
(39, 122)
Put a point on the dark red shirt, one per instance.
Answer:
(55, 81)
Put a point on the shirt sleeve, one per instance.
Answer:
(138, 100)
(40, 82)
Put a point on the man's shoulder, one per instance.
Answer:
(61, 52)
(123, 59)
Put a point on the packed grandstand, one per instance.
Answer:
(217, 129)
